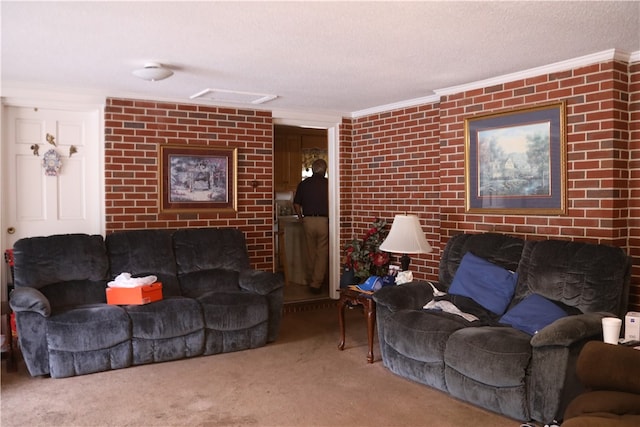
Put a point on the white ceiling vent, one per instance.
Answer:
(221, 95)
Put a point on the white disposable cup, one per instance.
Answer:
(611, 329)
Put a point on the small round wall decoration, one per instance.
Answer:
(51, 163)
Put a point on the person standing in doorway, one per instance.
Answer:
(311, 204)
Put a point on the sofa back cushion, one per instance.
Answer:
(144, 253)
(499, 249)
(69, 269)
(586, 276)
(198, 283)
(216, 253)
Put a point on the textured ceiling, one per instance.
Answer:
(317, 57)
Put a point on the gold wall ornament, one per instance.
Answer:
(72, 150)
(35, 148)
(51, 139)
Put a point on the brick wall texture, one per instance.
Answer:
(403, 161)
(133, 132)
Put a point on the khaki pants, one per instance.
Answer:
(316, 233)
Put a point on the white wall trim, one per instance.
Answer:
(396, 106)
(582, 61)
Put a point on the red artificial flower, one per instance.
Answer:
(370, 233)
(380, 259)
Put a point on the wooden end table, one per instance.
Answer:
(355, 298)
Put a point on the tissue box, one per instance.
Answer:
(138, 295)
(632, 326)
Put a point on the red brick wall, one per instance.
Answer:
(634, 178)
(133, 131)
(393, 168)
(413, 160)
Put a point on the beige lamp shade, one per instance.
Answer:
(406, 237)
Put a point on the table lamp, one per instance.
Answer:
(406, 237)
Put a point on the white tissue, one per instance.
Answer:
(404, 277)
(436, 292)
(124, 280)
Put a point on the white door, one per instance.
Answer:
(37, 200)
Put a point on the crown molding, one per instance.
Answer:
(582, 61)
(395, 106)
(606, 55)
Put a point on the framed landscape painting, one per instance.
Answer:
(198, 179)
(515, 162)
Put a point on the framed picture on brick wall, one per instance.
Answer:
(198, 179)
(515, 161)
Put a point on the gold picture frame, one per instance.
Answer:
(198, 179)
(515, 161)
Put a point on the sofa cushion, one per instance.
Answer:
(234, 321)
(605, 403)
(168, 318)
(170, 329)
(495, 356)
(488, 366)
(144, 253)
(199, 249)
(78, 257)
(582, 275)
(87, 328)
(421, 334)
(532, 314)
(198, 283)
(486, 283)
(227, 311)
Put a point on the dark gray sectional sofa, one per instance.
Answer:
(525, 376)
(213, 301)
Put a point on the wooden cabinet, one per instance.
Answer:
(287, 165)
(290, 143)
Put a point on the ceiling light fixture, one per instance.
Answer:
(152, 72)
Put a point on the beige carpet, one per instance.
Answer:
(300, 380)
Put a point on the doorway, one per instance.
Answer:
(295, 149)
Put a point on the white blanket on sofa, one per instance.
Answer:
(449, 307)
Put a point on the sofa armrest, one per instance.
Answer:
(260, 282)
(609, 367)
(411, 296)
(29, 299)
(569, 330)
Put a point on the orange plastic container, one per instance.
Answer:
(138, 295)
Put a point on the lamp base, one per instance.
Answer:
(404, 262)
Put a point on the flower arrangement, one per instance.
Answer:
(364, 257)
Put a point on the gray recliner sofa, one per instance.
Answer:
(213, 301)
(524, 376)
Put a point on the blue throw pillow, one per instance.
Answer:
(532, 314)
(488, 284)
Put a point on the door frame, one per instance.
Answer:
(332, 125)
